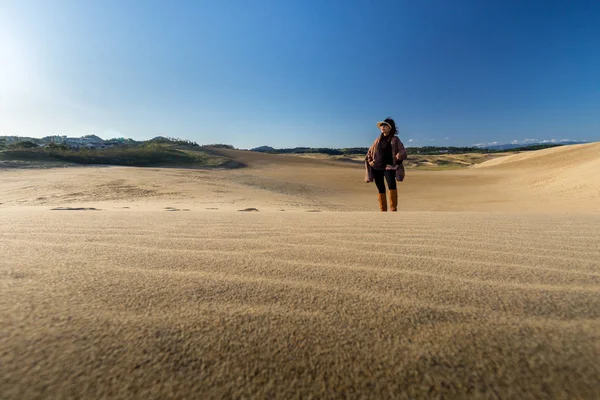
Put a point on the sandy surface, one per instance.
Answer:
(149, 283)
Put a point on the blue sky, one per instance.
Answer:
(314, 73)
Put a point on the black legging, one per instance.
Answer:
(380, 175)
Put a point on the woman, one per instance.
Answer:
(384, 163)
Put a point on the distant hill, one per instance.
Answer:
(94, 138)
(529, 146)
(156, 152)
(263, 149)
(363, 150)
(312, 150)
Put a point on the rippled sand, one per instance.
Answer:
(149, 283)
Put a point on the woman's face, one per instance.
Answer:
(385, 129)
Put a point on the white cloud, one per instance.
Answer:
(446, 138)
(411, 140)
(485, 144)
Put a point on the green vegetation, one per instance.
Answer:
(430, 150)
(463, 150)
(152, 153)
(426, 150)
(221, 146)
(172, 141)
(166, 151)
(308, 150)
(26, 144)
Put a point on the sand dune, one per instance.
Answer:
(566, 177)
(554, 157)
(149, 283)
(556, 180)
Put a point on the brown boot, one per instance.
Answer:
(382, 201)
(393, 200)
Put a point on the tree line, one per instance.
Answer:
(425, 150)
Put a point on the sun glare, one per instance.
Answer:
(16, 72)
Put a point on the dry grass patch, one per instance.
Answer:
(421, 162)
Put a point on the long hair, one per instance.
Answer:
(392, 123)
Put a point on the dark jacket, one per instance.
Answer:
(374, 158)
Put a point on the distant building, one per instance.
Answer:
(85, 142)
(89, 142)
(55, 139)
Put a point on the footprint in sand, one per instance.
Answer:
(313, 210)
(249, 209)
(176, 209)
(75, 209)
(15, 274)
(211, 208)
